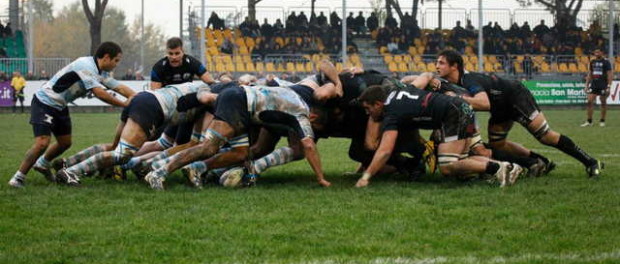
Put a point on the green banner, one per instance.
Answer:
(557, 93)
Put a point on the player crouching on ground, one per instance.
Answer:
(237, 109)
(147, 112)
(416, 108)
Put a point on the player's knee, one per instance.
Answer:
(123, 152)
(541, 132)
(497, 138)
(41, 143)
(447, 164)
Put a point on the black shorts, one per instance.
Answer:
(231, 107)
(458, 122)
(519, 106)
(46, 120)
(181, 133)
(306, 93)
(145, 110)
(597, 87)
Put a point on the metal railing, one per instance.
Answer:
(428, 17)
(49, 65)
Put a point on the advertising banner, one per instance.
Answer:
(566, 93)
(6, 94)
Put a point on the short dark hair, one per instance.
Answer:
(110, 48)
(174, 43)
(453, 57)
(374, 93)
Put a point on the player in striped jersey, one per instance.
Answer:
(237, 110)
(148, 111)
(49, 111)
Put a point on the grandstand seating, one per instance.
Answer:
(15, 48)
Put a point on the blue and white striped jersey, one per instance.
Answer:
(73, 81)
(279, 99)
(170, 94)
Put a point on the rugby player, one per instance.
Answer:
(411, 107)
(237, 110)
(147, 111)
(598, 84)
(49, 111)
(509, 102)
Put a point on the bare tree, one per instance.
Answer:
(95, 20)
(252, 9)
(565, 11)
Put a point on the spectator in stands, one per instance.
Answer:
(487, 31)
(541, 29)
(8, 32)
(228, 46)
(139, 76)
(334, 20)
(309, 46)
(360, 23)
(383, 37)
(469, 26)
(616, 32)
(278, 28)
(245, 26)
(43, 76)
(525, 30)
(350, 21)
(302, 20)
(514, 31)
(30, 76)
(3, 53)
(18, 83)
(266, 29)
(129, 75)
(416, 32)
(321, 19)
(215, 21)
(390, 22)
(458, 31)
(372, 22)
(497, 30)
(1, 30)
(291, 20)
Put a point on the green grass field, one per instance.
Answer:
(287, 218)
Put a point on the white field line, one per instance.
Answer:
(572, 257)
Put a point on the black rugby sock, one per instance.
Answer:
(567, 146)
(492, 167)
(525, 162)
(538, 156)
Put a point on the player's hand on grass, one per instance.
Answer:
(362, 183)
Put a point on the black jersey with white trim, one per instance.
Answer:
(164, 73)
(414, 108)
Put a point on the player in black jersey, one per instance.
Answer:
(509, 101)
(598, 83)
(177, 67)
(412, 108)
(535, 166)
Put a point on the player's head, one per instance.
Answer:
(319, 117)
(598, 53)
(372, 100)
(449, 63)
(174, 51)
(108, 55)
